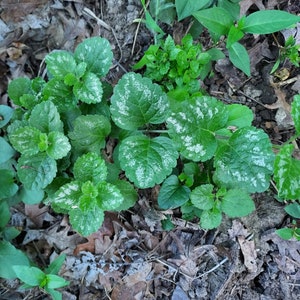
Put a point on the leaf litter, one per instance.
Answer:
(131, 257)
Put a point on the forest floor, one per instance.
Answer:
(131, 257)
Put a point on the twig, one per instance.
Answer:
(88, 12)
(214, 268)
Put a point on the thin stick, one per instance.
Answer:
(88, 12)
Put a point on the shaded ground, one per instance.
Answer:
(131, 257)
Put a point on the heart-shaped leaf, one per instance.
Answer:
(96, 53)
(287, 174)
(37, 171)
(193, 124)
(45, 117)
(137, 101)
(245, 161)
(172, 193)
(147, 161)
(90, 167)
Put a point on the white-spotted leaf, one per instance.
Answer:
(287, 174)
(45, 117)
(37, 171)
(193, 125)
(60, 94)
(59, 145)
(90, 167)
(137, 101)
(109, 196)
(245, 161)
(96, 53)
(86, 222)
(89, 89)
(146, 161)
(25, 140)
(67, 197)
(60, 63)
(295, 112)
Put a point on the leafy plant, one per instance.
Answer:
(178, 68)
(47, 280)
(287, 171)
(219, 21)
(289, 51)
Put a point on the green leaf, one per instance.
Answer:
(146, 161)
(56, 295)
(36, 172)
(55, 282)
(90, 167)
(232, 6)
(4, 214)
(293, 210)
(6, 113)
(109, 196)
(26, 140)
(89, 133)
(59, 145)
(60, 63)
(215, 19)
(128, 192)
(234, 35)
(7, 152)
(30, 275)
(238, 55)
(285, 233)
(46, 118)
(269, 21)
(56, 265)
(31, 196)
(137, 101)
(210, 219)
(287, 174)
(202, 197)
(60, 94)
(295, 112)
(193, 124)
(239, 116)
(67, 197)
(185, 8)
(245, 161)
(237, 203)
(86, 222)
(8, 188)
(17, 88)
(96, 53)
(89, 90)
(9, 257)
(172, 193)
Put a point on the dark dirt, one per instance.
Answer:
(131, 257)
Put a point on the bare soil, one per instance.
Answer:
(131, 257)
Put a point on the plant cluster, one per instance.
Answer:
(207, 156)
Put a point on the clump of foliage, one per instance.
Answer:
(178, 68)
(207, 156)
